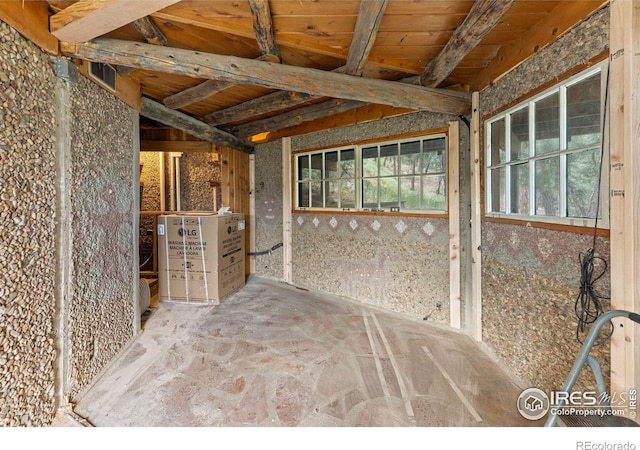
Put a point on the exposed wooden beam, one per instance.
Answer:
(156, 111)
(296, 117)
(175, 146)
(261, 105)
(560, 19)
(364, 35)
(150, 31)
(88, 19)
(365, 114)
(484, 15)
(275, 76)
(195, 94)
(263, 27)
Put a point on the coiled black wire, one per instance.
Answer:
(588, 305)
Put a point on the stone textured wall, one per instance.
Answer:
(195, 173)
(530, 277)
(101, 311)
(27, 233)
(397, 262)
(268, 194)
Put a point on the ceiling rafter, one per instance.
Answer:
(364, 35)
(274, 76)
(151, 33)
(158, 112)
(296, 117)
(263, 28)
(484, 15)
(87, 19)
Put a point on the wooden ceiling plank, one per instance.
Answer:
(263, 28)
(364, 35)
(274, 76)
(156, 111)
(297, 117)
(88, 19)
(195, 94)
(484, 15)
(150, 31)
(560, 20)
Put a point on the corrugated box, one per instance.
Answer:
(200, 257)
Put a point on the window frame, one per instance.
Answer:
(564, 151)
(359, 177)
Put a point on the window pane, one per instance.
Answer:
(547, 186)
(389, 164)
(370, 193)
(583, 113)
(433, 192)
(303, 195)
(316, 166)
(498, 153)
(347, 194)
(520, 134)
(520, 188)
(433, 158)
(548, 125)
(347, 163)
(303, 167)
(388, 192)
(316, 194)
(331, 165)
(582, 183)
(410, 192)
(498, 198)
(410, 158)
(370, 162)
(332, 194)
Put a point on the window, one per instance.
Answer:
(543, 155)
(407, 175)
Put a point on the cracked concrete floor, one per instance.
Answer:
(273, 355)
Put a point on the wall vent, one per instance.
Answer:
(103, 74)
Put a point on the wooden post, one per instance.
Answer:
(252, 212)
(476, 221)
(287, 258)
(624, 85)
(453, 190)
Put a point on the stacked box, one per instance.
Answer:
(200, 257)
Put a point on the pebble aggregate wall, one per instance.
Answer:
(101, 311)
(268, 193)
(27, 233)
(396, 262)
(195, 174)
(149, 201)
(530, 276)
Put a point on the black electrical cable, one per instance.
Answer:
(266, 252)
(588, 305)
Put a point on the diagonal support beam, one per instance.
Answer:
(263, 27)
(87, 19)
(156, 111)
(484, 15)
(274, 76)
(364, 35)
(195, 94)
(150, 31)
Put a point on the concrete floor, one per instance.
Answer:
(272, 355)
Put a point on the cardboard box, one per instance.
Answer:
(200, 257)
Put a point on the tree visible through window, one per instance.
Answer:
(409, 175)
(543, 155)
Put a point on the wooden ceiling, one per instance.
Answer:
(248, 71)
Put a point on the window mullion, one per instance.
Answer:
(532, 164)
(507, 171)
(563, 155)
